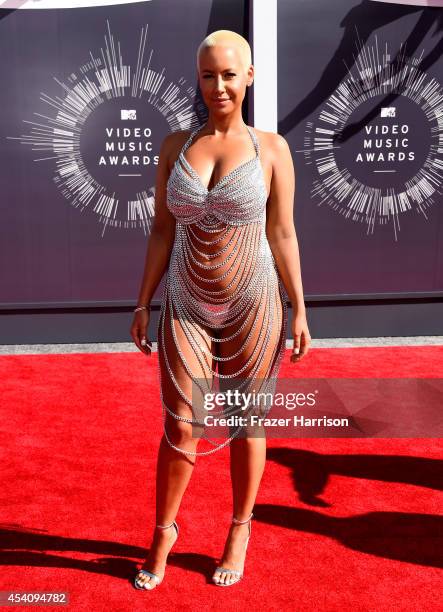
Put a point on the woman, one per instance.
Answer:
(223, 229)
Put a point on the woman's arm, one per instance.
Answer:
(162, 234)
(282, 238)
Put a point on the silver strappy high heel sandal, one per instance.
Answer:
(237, 573)
(143, 572)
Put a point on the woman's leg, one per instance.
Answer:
(174, 469)
(248, 454)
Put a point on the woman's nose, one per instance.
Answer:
(219, 85)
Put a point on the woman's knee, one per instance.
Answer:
(181, 433)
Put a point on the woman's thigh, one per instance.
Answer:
(185, 369)
(257, 346)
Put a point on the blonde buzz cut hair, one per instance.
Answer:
(228, 38)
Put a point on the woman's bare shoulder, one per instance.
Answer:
(272, 145)
(271, 140)
(176, 139)
(173, 143)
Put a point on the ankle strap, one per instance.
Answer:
(237, 522)
(165, 526)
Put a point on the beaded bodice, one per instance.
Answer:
(238, 198)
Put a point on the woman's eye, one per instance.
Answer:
(209, 76)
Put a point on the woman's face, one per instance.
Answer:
(222, 78)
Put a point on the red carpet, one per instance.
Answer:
(340, 524)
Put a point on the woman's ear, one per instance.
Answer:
(250, 75)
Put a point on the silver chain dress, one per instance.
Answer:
(236, 291)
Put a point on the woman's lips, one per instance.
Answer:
(221, 100)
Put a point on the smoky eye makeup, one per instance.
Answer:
(227, 74)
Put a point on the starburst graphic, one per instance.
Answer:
(377, 143)
(104, 78)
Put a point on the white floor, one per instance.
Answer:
(118, 347)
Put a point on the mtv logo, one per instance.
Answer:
(388, 111)
(128, 115)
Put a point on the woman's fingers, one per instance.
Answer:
(145, 344)
(139, 336)
(296, 346)
(301, 346)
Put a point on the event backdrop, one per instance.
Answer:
(89, 93)
(360, 101)
(87, 96)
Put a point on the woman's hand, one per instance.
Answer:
(301, 335)
(139, 329)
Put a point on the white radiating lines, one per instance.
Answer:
(142, 207)
(375, 74)
(105, 76)
(138, 68)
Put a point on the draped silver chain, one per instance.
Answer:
(235, 208)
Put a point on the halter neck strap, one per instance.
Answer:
(250, 130)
